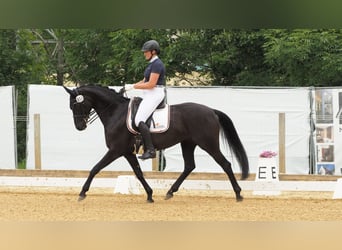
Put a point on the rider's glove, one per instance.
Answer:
(129, 87)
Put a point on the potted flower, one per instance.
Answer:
(268, 154)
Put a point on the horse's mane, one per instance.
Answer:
(105, 91)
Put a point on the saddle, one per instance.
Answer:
(158, 122)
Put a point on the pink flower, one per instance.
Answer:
(268, 154)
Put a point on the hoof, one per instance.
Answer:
(81, 197)
(168, 196)
(150, 200)
(239, 199)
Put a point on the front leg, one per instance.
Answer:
(108, 158)
(133, 161)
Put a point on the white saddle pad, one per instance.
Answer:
(160, 123)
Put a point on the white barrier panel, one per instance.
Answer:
(7, 129)
(255, 115)
(63, 147)
(127, 184)
(338, 189)
(306, 186)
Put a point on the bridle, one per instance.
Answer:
(88, 118)
(92, 116)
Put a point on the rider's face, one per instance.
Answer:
(148, 55)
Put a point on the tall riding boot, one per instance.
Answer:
(149, 151)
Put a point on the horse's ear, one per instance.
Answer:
(71, 92)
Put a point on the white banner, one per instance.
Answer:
(7, 129)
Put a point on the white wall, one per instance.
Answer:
(253, 111)
(255, 115)
(7, 129)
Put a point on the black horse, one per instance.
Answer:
(191, 124)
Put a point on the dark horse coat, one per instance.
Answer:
(191, 125)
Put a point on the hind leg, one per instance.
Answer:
(214, 151)
(188, 149)
(211, 145)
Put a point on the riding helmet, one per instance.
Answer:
(151, 45)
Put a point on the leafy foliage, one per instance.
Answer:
(304, 57)
(21, 63)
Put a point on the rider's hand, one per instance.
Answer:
(122, 91)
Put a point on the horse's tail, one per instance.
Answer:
(232, 138)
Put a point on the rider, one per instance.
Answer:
(152, 85)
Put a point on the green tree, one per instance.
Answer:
(304, 57)
(268, 57)
(109, 57)
(21, 63)
(127, 63)
(86, 52)
(236, 57)
(228, 57)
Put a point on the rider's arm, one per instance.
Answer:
(148, 85)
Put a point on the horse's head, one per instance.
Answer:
(81, 106)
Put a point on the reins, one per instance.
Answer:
(92, 116)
